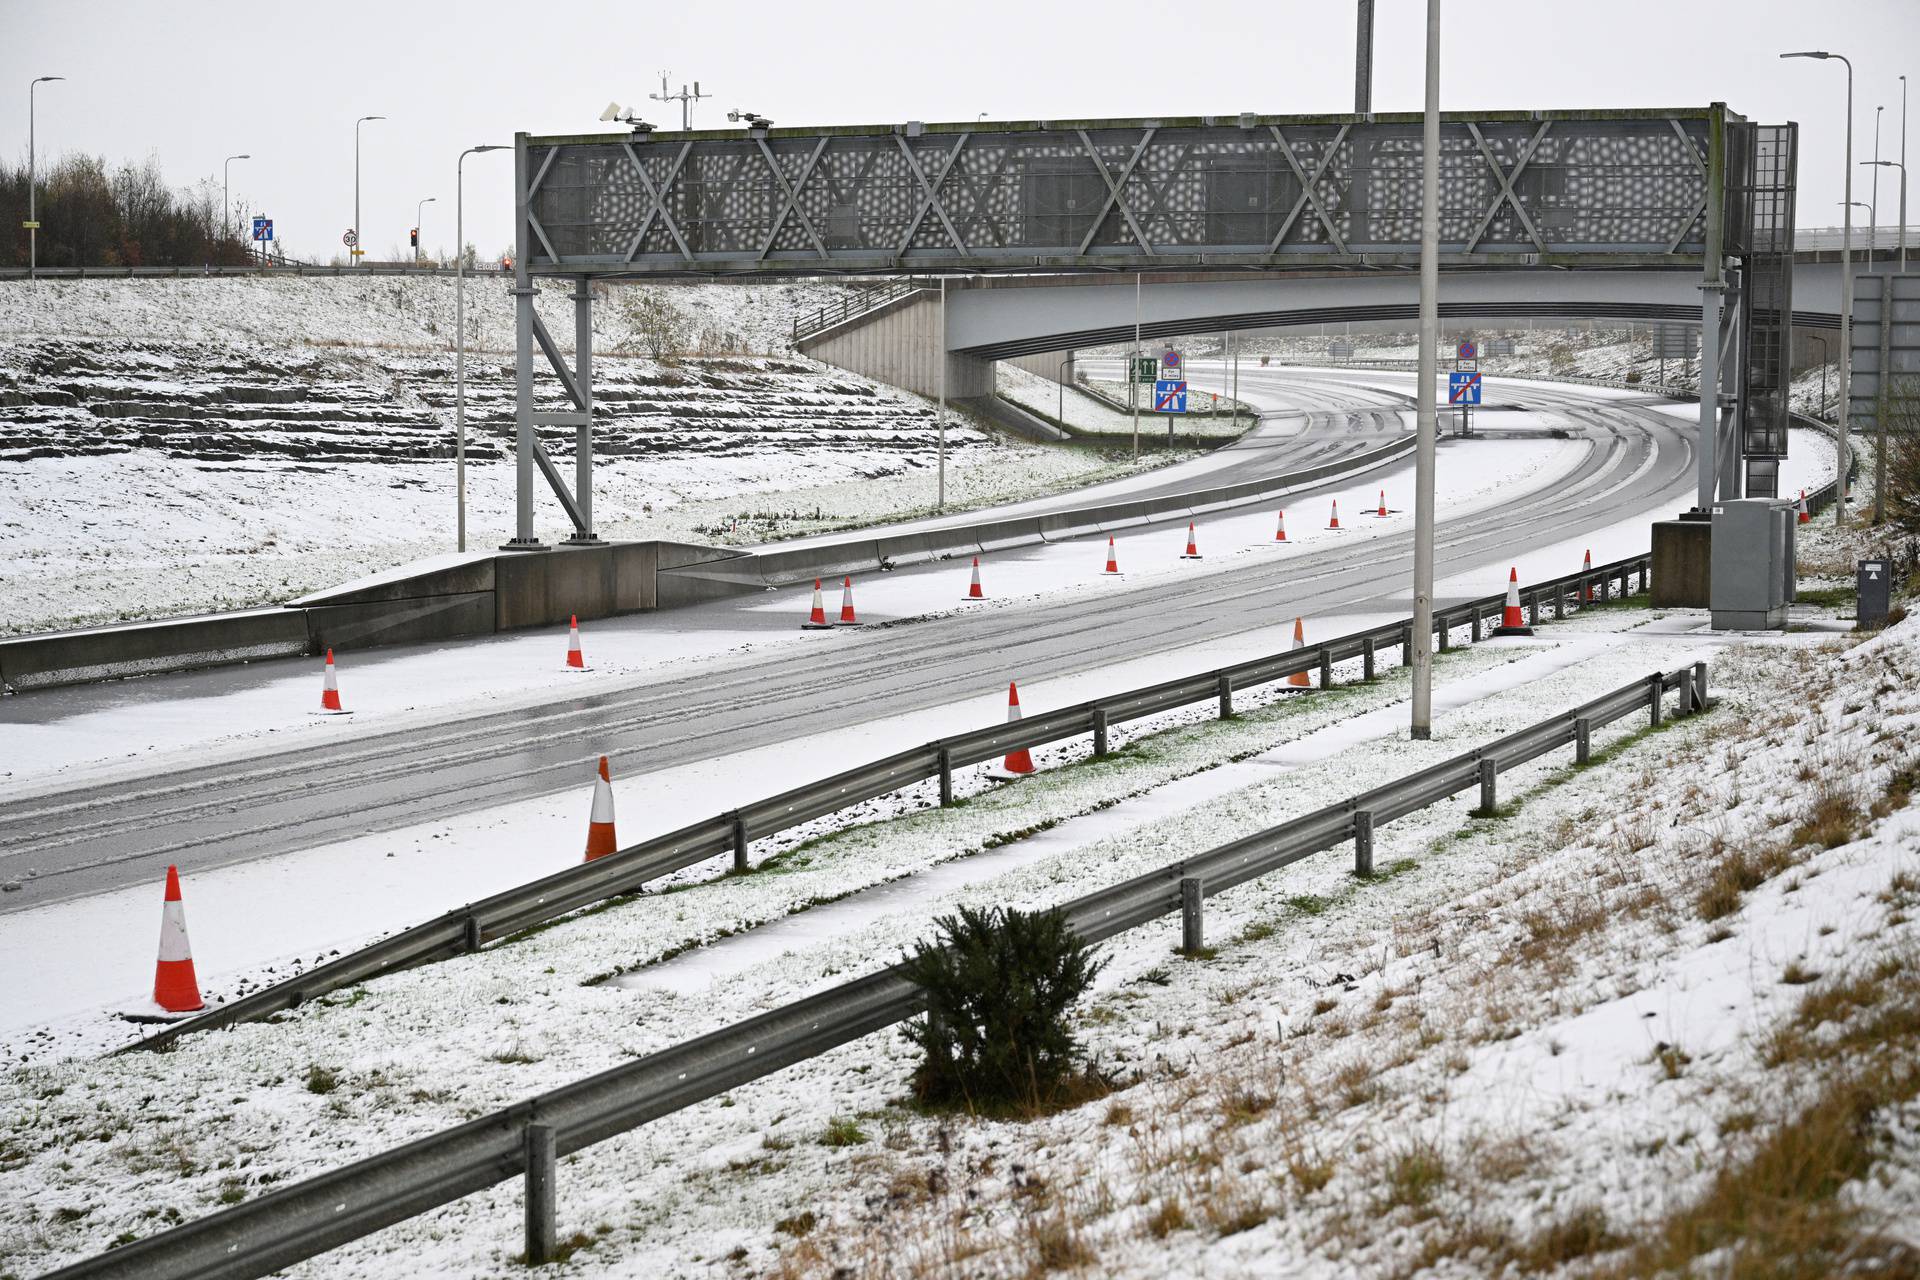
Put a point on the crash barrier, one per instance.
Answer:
(732, 833)
(309, 1218)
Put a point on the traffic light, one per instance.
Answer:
(413, 238)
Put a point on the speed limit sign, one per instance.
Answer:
(348, 238)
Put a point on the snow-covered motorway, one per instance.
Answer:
(1627, 459)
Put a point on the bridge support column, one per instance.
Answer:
(1707, 457)
(525, 439)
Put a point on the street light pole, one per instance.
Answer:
(1873, 205)
(460, 338)
(33, 217)
(1903, 175)
(226, 207)
(417, 207)
(1425, 426)
(356, 250)
(1826, 352)
(1846, 295)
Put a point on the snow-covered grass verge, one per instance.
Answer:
(372, 1066)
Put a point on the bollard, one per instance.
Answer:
(1362, 843)
(739, 842)
(1366, 658)
(1099, 731)
(473, 933)
(1192, 926)
(1656, 685)
(946, 777)
(540, 1165)
(1699, 686)
(1226, 696)
(1489, 788)
(1582, 740)
(1326, 667)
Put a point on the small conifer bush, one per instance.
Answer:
(998, 985)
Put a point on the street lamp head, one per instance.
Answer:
(1808, 53)
(364, 119)
(491, 146)
(44, 79)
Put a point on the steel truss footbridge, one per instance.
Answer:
(1698, 198)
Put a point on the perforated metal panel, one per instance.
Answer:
(1574, 188)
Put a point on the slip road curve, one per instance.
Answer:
(91, 839)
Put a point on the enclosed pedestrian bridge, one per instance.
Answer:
(1685, 209)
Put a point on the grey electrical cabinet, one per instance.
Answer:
(1753, 568)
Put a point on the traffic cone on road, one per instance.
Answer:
(846, 604)
(1586, 567)
(1300, 679)
(1280, 532)
(817, 618)
(174, 987)
(576, 660)
(1804, 516)
(1383, 504)
(1334, 521)
(1113, 564)
(1019, 761)
(330, 692)
(1512, 621)
(600, 837)
(1193, 551)
(973, 590)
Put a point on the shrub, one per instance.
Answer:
(998, 984)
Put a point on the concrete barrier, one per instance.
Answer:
(142, 648)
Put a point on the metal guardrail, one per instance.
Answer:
(294, 269)
(469, 927)
(858, 304)
(309, 1218)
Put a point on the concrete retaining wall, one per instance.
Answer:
(440, 599)
(899, 344)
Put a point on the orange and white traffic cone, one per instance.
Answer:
(1300, 679)
(1113, 563)
(1586, 566)
(330, 692)
(576, 660)
(817, 618)
(973, 590)
(1512, 621)
(1193, 550)
(600, 837)
(1383, 504)
(175, 989)
(1333, 521)
(846, 604)
(1019, 762)
(1280, 532)
(1804, 516)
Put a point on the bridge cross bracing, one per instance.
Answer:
(1576, 190)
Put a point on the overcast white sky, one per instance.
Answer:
(191, 82)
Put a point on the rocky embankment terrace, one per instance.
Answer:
(75, 397)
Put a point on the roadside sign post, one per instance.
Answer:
(1169, 397)
(1463, 389)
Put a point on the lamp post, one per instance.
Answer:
(419, 205)
(1903, 175)
(460, 338)
(1846, 395)
(1873, 201)
(226, 206)
(356, 250)
(1060, 380)
(33, 218)
(1425, 424)
(1846, 292)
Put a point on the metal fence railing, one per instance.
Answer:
(309, 1218)
(288, 269)
(856, 304)
(503, 914)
